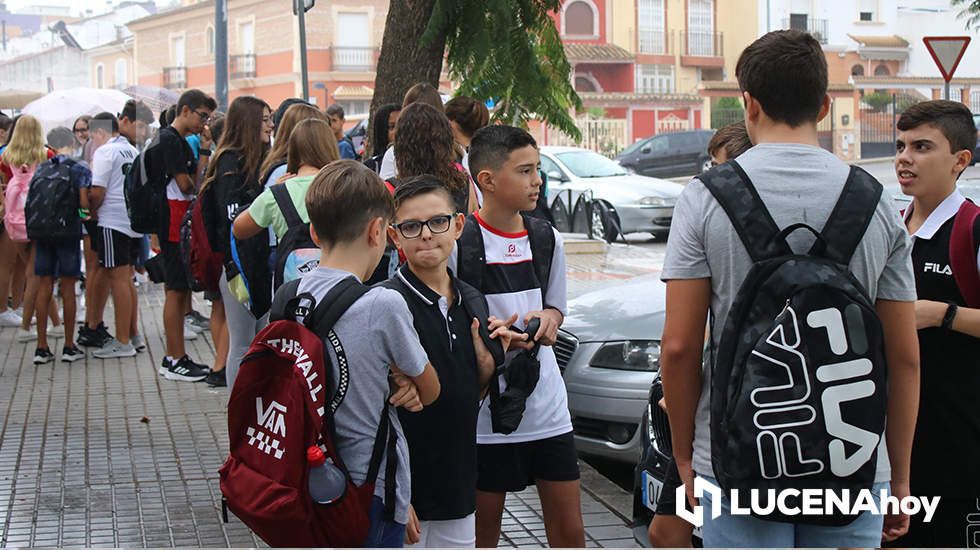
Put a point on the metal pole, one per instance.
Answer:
(946, 96)
(221, 54)
(301, 13)
(894, 118)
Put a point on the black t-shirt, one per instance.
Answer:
(946, 451)
(171, 155)
(442, 437)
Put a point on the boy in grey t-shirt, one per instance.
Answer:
(349, 210)
(783, 77)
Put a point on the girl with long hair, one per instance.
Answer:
(274, 166)
(232, 183)
(382, 133)
(311, 146)
(79, 131)
(24, 152)
(424, 144)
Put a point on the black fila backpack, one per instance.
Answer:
(798, 383)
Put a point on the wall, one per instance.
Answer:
(107, 57)
(67, 68)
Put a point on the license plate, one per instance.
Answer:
(651, 490)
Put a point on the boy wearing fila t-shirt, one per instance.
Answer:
(934, 146)
(517, 276)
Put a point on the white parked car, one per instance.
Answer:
(624, 202)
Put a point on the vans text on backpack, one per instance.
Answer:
(798, 392)
(282, 403)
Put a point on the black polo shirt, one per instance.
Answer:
(442, 437)
(946, 449)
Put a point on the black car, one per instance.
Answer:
(648, 478)
(669, 155)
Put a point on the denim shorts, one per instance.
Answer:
(751, 532)
(58, 258)
(383, 533)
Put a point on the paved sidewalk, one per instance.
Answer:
(108, 453)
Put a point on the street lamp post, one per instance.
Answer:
(221, 53)
(299, 8)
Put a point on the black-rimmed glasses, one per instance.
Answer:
(412, 229)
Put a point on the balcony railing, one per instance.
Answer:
(243, 65)
(654, 42)
(174, 78)
(703, 44)
(354, 59)
(819, 28)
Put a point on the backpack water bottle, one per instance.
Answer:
(327, 482)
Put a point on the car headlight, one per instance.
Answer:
(656, 201)
(637, 355)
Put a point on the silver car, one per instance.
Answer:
(631, 202)
(609, 351)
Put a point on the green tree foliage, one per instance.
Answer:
(970, 12)
(509, 51)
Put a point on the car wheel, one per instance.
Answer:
(661, 235)
(605, 222)
(704, 164)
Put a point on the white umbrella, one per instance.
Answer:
(62, 107)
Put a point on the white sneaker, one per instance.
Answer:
(80, 315)
(26, 335)
(115, 348)
(190, 331)
(9, 318)
(138, 343)
(57, 331)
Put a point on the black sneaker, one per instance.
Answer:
(216, 379)
(186, 370)
(42, 356)
(71, 354)
(89, 338)
(104, 333)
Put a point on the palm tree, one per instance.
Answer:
(970, 12)
(505, 50)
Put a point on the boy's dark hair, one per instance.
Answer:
(6, 123)
(734, 139)
(421, 185)
(217, 128)
(786, 72)
(286, 103)
(104, 121)
(167, 116)
(336, 110)
(952, 118)
(343, 198)
(61, 137)
(136, 110)
(194, 100)
(469, 114)
(492, 145)
(423, 92)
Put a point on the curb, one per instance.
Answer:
(607, 493)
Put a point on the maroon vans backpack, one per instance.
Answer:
(963, 253)
(283, 402)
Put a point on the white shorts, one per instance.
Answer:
(452, 533)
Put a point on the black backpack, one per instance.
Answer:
(145, 193)
(296, 253)
(51, 210)
(471, 262)
(798, 383)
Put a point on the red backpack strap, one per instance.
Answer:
(963, 253)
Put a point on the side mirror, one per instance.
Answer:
(555, 175)
(645, 150)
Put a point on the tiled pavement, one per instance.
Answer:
(107, 453)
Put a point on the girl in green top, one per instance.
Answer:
(311, 147)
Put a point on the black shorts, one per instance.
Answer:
(176, 271)
(667, 503)
(115, 248)
(512, 467)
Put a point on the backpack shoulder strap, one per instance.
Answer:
(471, 261)
(732, 188)
(963, 253)
(475, 305)
(280, 301)
(286, 206)
(542, 239)
(851, 216)
(334, 304)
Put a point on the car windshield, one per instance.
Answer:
(587, 164)
(634, 147)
